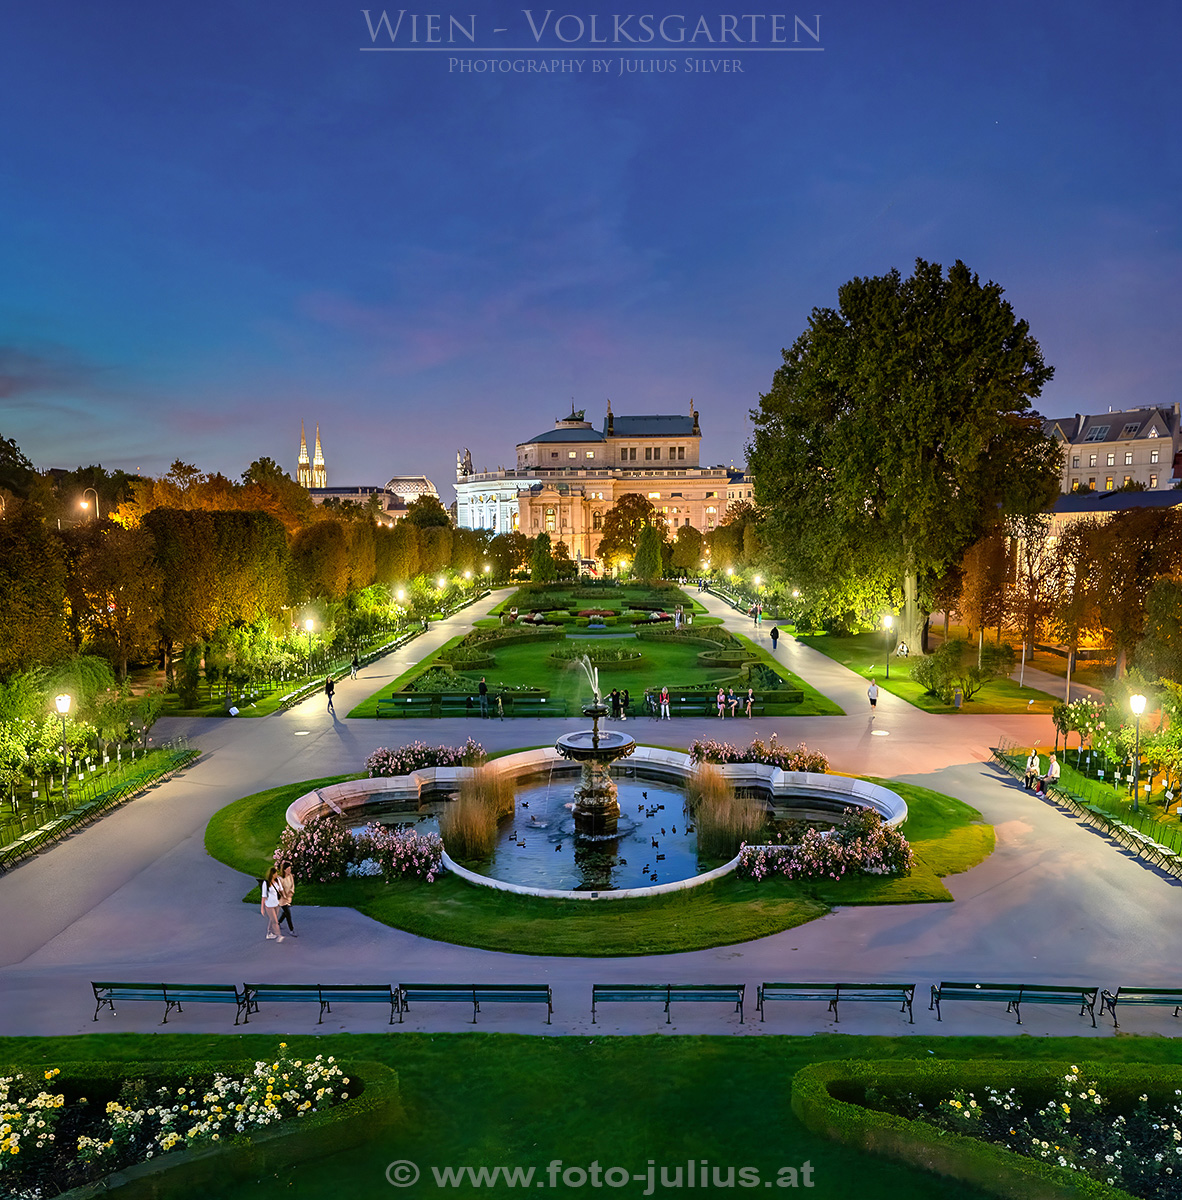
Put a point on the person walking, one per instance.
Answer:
(625, 700)
(270, 905)
(286, 881)
(329, 690)
(353, 666)
(500, 707)
(665, 704)
(483, 691)
(872, 693)
(775, 637)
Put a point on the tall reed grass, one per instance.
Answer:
(724, 821)
(468, 824)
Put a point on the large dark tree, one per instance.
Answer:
(622, 524)
(900, 425)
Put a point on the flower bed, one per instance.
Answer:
(770, 752)
(60, 1131)
(893, 1108)
(863, 844)
(402, 760)
(326, 850)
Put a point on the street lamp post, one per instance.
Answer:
(887, 622)
(308, 626)
(96, 502)
(63, 706)
(1137, 704)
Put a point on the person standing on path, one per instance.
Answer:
(286, 882)
(353, 666)
(775, 637)
(270, 905)
(625, 701)
(483, 691)
(872, 692)
(329, 689)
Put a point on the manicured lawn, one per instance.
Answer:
(479, 1099)
(664, 663)
(1097, 673)
(864, 653)
(946, 835)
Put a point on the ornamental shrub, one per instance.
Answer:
(770, 752)
(863, 844)
(402, 760)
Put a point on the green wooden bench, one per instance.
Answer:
(533, 706)
(666, 993)
(1014, 995)
(320, 993)
(834, 993)
(1159, 997)
(171, 995)
(452, 705)
(475, 994)
(404, 706)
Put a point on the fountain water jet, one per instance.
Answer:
(596, 809)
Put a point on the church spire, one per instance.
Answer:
(303, 474)
(319, 474)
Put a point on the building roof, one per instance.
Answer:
(411, 485)
(1134, 424)
(570, 434)
(1105, 502)
(656, 426)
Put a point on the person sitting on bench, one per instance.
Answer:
(1033, 766)
(1051, 777)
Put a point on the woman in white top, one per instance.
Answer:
(1033, 769)
(272, 899)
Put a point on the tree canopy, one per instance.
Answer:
(622, 524)
(899, 426)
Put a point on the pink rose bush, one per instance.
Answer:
(758, 751)
(326, 850)
(402, 760)
(863, 844)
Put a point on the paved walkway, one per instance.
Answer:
(136, 897)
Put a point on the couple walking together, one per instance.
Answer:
(278, 893)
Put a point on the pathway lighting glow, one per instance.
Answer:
(441, 583)
(63, 706)
(1137, 704)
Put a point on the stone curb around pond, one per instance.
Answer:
(355, 793)
(658, 889)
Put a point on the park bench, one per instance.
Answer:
(475, 994)
(1160, 997)
(666, 993)
(834, 993)
(459, 706)
(404, 706)
(171, 995)
(1014, 995)
(534, 706)
(320, 993)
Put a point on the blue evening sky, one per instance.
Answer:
(217, 219)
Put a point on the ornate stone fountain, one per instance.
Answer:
(596, 809)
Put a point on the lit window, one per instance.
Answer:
(1092, 484)
(1074, 484)
(1153, 481)
(1128, 458)
(590, 453)
(1128, 480)
(654, 495)
(1091, 460)
(710, 507)
(1108, 484)
(572, 454)
(1112, 458)
(1153, 456)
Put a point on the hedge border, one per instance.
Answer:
(991, 1168)
(293, 1141)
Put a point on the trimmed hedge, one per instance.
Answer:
(184, 1173)
(827, 1099)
